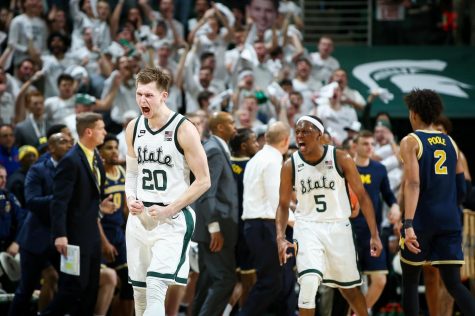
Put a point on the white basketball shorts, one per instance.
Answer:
(328, 250)
(161, 252)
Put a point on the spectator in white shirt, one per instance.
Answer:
(164, 60)
(57, 108)
(305, 84)
(260, 201)
(28, 32)
(127, 117)
(24, 72)
(350, 96)
(200, 8)
(323, 63)
(175, 31)
(125, 98)
(56, 63)
(336, 116)
(7, 103)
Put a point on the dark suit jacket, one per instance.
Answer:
(35, 235)
(220, 202)
(25, 134)
(76, 198)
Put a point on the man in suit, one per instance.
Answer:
(75, 208)
(35, 238)
(216, 222)
(32, 130)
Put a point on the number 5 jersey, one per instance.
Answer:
(322, 191)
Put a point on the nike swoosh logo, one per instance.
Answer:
(140, 135)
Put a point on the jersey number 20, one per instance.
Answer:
(440, 155)
(151, 180)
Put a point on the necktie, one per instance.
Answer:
(95, 170)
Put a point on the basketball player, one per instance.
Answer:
(162, 148)
(324, 245)
(433, 186)
(112, 224)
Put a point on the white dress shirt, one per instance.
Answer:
(261, 184)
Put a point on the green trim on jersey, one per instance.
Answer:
(337, 166)
(175, 136)
(135, 130)
(325, 149)
(293, 171)
(162, 128)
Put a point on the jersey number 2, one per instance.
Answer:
(321, 204)
(440, 155)
(150, 180)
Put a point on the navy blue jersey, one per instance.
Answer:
(437, 207)
(375, 180)
(238, 165)
(116, 187)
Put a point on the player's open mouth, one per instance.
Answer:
(301, 145)
(145, 109)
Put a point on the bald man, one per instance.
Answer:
(216, 222)
(261, 197)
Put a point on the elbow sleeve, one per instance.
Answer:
(131, 174)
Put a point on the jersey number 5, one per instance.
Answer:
(440, 155)
(321, 204)
(151, 180)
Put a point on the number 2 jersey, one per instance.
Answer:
(322, 191)
(163, 173)
(437, 207)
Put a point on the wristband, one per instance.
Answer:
(407, 223)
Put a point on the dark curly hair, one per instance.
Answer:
(445, 122)
(242, 136)
(425, 103)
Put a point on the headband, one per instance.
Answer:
(314, 122)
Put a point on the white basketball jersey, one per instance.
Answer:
(163, 173)
(322, 191)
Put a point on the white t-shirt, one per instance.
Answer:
(7, 108)
(307, 89)
(124, 99)
(336, 120)
(57, 109)
(22, 30)
(53, 68)
(323, 68)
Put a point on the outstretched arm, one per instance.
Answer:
(354, 180)
(282, 214)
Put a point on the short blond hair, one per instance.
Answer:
(86, 120)
(151, 74)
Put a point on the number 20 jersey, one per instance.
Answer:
(322, 191)
(163, 173)
(437, 206)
